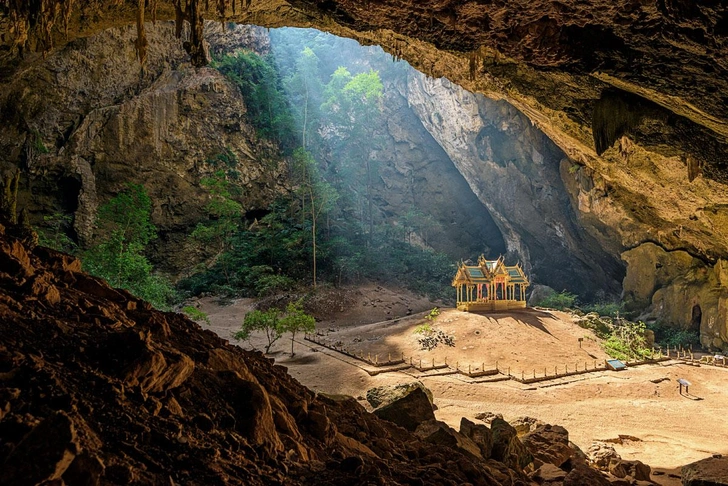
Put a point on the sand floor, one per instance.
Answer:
(639, 410)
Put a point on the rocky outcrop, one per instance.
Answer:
(384, 395)
(82, 125)
(99, 388)
(707, 472)
(408, 411)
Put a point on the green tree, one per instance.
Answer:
(124, 231)
(316, 195)
(353, 106)
(304, 87)
(268, 321)
(54, 234)
(296, 320)
(224, 215)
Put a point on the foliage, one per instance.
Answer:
(433, 314)
(431, 338)
(125, 230)
(268, 321)
(54, 233)
(224, 218)
(38, 144)
(296, 320)
(673, 336)
(195, 314)
(258, 81)
(558, 300)
(611, 309)
(627, 341)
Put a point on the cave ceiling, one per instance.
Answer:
(633, 91)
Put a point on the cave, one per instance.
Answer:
(510, 130)
(696, 318)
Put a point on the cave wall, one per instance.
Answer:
(89, 117)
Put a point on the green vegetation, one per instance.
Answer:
(276, 323)
(267, 321)
(54, 234)
(666, 335)
(296, 320)
(124, 231)
(611, 309)
(627, 341)
(431, 337)
(195, 314)
(558, 300)
(267, 106)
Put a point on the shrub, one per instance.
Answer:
(673, 336)
(627, 341)
(611, 309)
(195, 314)
(558, 300)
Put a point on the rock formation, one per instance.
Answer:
(99, 388)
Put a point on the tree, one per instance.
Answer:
(54, 234)
(353, 106)
(268, 321)
(124, 229)
(224, 214)
(316, 195)
(296, 320)
(304, 86)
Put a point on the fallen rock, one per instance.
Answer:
(583, 475)
(409, 411)
(507, 447)
(436, 432)
(548, 474)
(480, 434)
(622, 468)
(712, 471)
(43, 455)
(549, 444)
(524, 425)
(384, 395)
(600, 454)
(488, 417)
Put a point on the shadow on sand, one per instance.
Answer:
(528, 316)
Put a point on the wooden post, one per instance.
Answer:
(534, 374)
(522, 376)
(544, 372)
(469, 369)
(433, 362)
(556, 370)
(420, 364)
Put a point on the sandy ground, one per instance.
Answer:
(639, 410)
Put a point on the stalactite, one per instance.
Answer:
(196, 46)
(179, 18)
(153, 10)
(615, 114)
(141, 41)
(221, 4)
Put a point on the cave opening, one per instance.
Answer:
(696, 318)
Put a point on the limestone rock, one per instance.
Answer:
(43, 455)
(480, 434)
(524, 425)
(507, 447)
(409, 411)
(549, 444)
(384, 395)
(437, 432)
(583, 474)
(636, 469)
(712, 471)
(600, 454)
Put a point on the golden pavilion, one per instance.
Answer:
(490, 286)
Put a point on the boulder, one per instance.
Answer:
(488, 417)
(386, 394)
(436, 432)
(43, 455)
(549, 444)
(622, 468)
(507, 447)
(548, 474)
(600, 454)
(524, 425)
(480, 434)
(409, 411)
(583, 475)
(712, 471)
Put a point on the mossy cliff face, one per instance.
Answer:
(633, 93)
(89, 120)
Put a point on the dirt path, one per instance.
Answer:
(641, 404)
